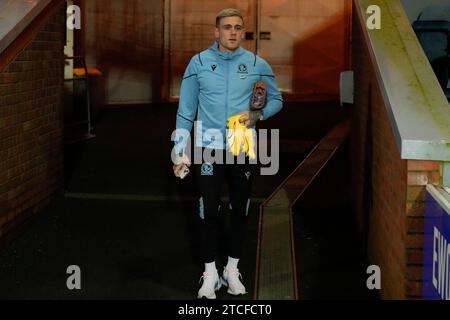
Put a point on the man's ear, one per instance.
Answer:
(216, 32)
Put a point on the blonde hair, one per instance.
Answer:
(229, 12)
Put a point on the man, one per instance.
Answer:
(217, 85)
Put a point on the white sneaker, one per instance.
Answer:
(230, 278)
(211, 284)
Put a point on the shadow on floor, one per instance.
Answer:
(126, 221)
(331, 260)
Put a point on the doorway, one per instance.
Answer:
(191, 30)
(307, 43)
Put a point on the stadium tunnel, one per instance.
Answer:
(86, 116)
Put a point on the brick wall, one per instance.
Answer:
(31, 125)
(420, 173)
(388, 192)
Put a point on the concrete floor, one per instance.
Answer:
(331, 262)
(130, 225)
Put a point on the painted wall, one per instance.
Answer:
(308, 46)
(124, 39)
(192, 25)
(143, 47)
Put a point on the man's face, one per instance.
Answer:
(230, 33)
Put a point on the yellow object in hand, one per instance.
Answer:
(240, 138)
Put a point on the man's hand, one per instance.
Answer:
(250, 118)
(180, 166)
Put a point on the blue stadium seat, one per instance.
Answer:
(434, 36)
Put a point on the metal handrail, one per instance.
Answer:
(89, 134)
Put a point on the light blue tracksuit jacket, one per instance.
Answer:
(217, 85)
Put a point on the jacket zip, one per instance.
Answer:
(226, 96)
